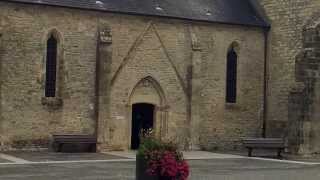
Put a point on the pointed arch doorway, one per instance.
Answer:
(148, 110)
(142, 120)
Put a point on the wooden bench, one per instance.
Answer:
(264, 143)
(60, 140)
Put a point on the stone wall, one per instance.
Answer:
(223, 125)
(287, 19)
(27, 117)
(304, 123)
(188, 63)
(103, 59)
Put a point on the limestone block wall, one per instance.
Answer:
(25, 120)
(287, 18)
(189, 81)
(223, 125)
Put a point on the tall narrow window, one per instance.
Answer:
(231, 89)
(51, 67)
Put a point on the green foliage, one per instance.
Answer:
(150, 144)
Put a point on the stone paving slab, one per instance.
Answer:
(310, 158)
(266, 153)
(4, 161)
(49, 157)
(197, 155)
(189, 155)
(125, 154)
(12, 159)
(216, 169)
(53, 156)
(272, 154)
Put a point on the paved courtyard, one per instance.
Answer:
(121, 166)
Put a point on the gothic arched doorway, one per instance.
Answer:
(142, 120)
(147, 110)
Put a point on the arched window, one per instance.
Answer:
(231, 89)
(51, 67)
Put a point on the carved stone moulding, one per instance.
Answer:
(106, 36)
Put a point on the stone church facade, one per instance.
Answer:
(112, 64)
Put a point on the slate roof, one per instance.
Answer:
(219, 11)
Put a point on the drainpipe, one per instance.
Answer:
(1, 121)
(97, 84)
(265, 83)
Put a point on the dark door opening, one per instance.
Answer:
(142, 119)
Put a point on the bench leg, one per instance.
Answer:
(93, 148)
(55, 146)
(279, 153)
(60, 147)
(250, 152)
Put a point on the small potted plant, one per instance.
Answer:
(159, 160)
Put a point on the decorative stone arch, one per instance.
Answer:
(56, 33)
(149, 91)
(148, 82)
(53, 102)
(234, 45)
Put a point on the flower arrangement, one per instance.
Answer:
(162, 159)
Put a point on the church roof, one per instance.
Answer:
(219, 11)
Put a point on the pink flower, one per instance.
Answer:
(166, 164)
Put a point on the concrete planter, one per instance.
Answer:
(141, 168)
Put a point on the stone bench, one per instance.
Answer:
(65, 139)
(264, 143)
